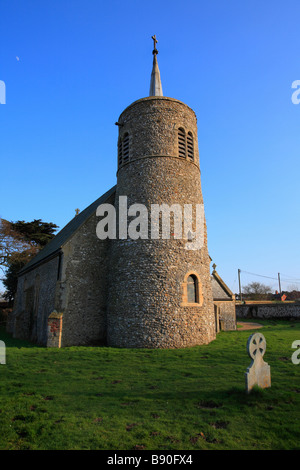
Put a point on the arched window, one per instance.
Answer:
(192, 290)
(181, 143)
(126, 148)
(192, 287)
(120, 156)
(123, 149)
(190, 145)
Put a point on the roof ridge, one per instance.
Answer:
(222, 283)
(66, 232)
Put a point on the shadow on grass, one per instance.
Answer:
(11, 342)
(210, 401)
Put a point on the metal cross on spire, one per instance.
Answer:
(155, 41)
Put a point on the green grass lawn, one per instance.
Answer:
(122, 399)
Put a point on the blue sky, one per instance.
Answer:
(70, 69)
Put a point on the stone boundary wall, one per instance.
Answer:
(267, 310)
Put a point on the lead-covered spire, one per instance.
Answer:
(155, 84)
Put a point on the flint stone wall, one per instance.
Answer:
(227, 314)
(145, 307)
(82, 290)
(279, 311)
(130, 292)
(35, 300)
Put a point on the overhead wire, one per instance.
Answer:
(285, 280)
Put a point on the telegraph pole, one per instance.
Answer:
(239, 274)
(279, 283)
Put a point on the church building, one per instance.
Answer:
(122, 291)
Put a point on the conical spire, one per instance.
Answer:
(155, 84)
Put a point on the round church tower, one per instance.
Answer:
(160, 293)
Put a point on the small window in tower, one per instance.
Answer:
(190, 145)
(126, 148)
(192, 289)
(181, 143)
(120, 152)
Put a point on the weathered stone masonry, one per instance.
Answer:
(145, 306)
(280, 310)
(128, 293)
(35, 300)
(146, 292)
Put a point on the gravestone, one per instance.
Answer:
(259, 372)
(2, 353)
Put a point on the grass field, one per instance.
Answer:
(118, 399)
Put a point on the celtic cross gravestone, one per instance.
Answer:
(259, 372)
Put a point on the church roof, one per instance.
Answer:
(220, 290)
(54, 246)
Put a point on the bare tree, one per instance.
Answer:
(257, 288)
(293, 287)
(257, 291)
